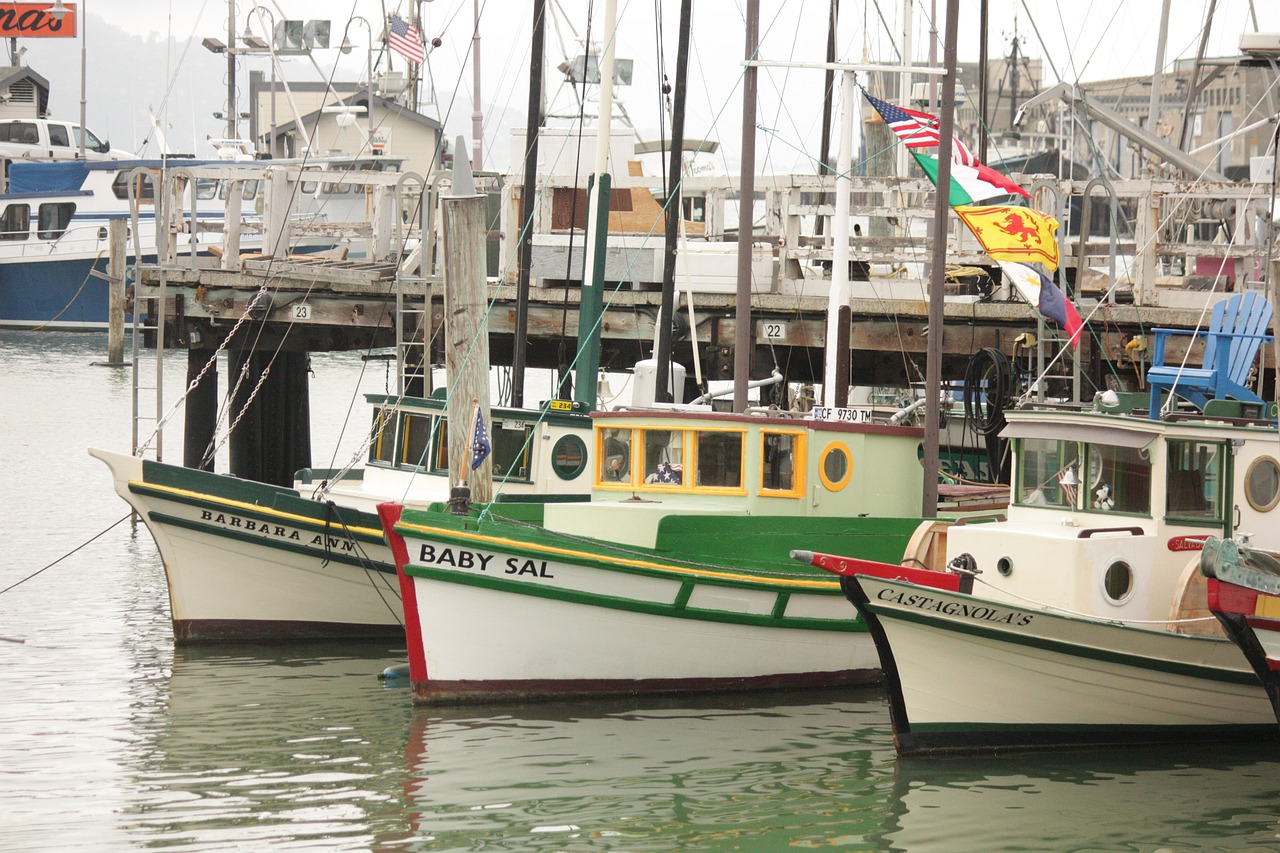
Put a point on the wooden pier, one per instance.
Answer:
(294, 284)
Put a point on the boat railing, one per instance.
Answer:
(1157, 241)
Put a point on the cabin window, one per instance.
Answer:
(143, 187)
(382, 448)
(569, 457)
(206, 188)
(58, 136)
(1048, 473)
(781, 458)
(664, 457)
(15, 222)
(511, 449)
(837, 466)
(415, 432)
(308, 187)
(1194, 481)
(1262, 484)
(250, 189)
(614, 453)
(1119, 480)
(720, 459)
(440, 442)
(54, 217)
(335, 188)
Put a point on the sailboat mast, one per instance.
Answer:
(533, 126)
(663, 392)
(477, 114)
(588, 359)
(838, 296)
(938, 267)
(746, 215)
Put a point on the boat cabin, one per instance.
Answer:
(1109, 511)
(537, 455)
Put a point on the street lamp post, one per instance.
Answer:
(268, 42)
(368, 70)
(60, 11)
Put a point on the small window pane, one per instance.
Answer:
(416, 432)
(777, 469)
(54, 219)
(58, 136)
(511, 450)
(615, 456)
(15, 222)
(720, 459)
(206, 188)
(1119, 479)
(384, 438)
(1194, 482)
(664, 457)
(1262, 484)
(835, 466)
(1049, 473)
(568, 457)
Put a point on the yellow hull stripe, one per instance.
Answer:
(248, 507)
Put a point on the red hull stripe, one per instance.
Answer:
(849, 566)
(389, 513)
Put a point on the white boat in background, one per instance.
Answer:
(53, 226)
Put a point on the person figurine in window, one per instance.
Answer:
(613, 469)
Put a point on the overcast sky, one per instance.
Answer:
(1078, 40)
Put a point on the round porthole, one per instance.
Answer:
(568, 457)
(1004, 566)
(837, 466)
(1117, 582)
(1262, 484)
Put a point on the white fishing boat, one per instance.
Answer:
(1081, 619)
(249, 561)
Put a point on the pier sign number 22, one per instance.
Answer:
(771, 330)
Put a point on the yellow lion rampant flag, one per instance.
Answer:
(1013, 233)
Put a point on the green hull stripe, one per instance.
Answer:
(273, 542)
(1113, 731)
(1206, 673)
(675, 610)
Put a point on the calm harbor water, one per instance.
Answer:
(112, 739)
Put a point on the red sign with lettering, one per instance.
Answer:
(1187, 543)
(34, 20)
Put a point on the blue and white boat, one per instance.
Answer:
(53, 226)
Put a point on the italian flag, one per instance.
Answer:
(970, 184)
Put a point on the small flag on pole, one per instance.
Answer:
(1010, 233)
(405, 40)
(480, 447)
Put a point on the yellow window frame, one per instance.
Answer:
(798, 449)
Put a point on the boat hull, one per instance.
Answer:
(248, 562)
(966, 674)
(54, 294)
(490, 617)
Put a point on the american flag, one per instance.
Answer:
(919, 130)
(405, 40)
(480, 447)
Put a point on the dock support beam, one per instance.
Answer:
(198, 431)
(273, 437)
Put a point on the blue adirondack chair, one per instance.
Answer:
(1237, 330)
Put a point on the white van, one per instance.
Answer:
(46, 139)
